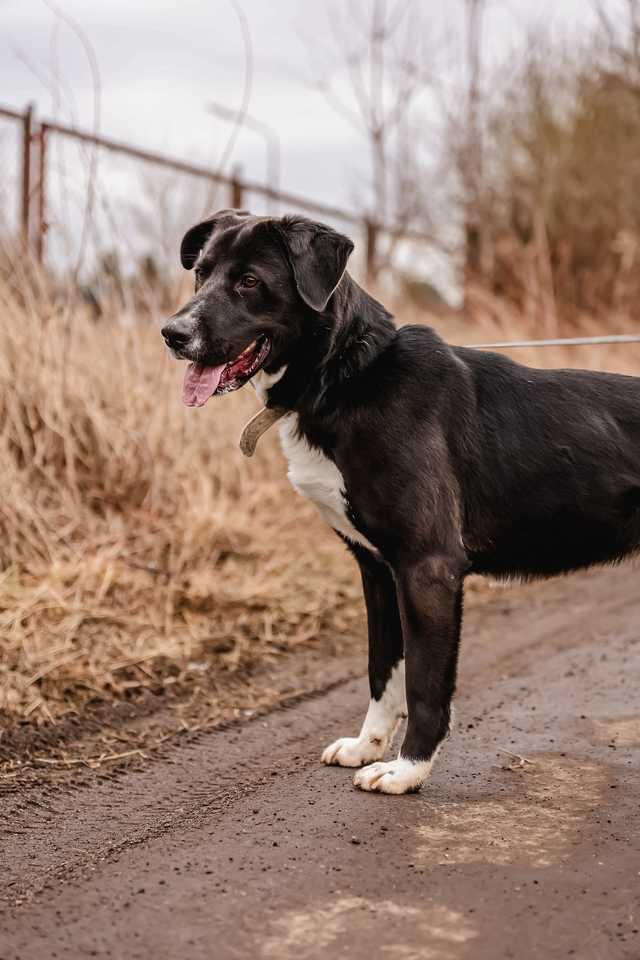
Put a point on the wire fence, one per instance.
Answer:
(558, 342)
(60, 183)
(115, 219)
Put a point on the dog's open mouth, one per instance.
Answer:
(202, 382)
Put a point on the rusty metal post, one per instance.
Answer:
(370, 250)
(237, 189)
(25, 201)
(42, 192)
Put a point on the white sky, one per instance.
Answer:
(160, 63)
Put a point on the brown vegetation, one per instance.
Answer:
(556, 193)
(138, 549)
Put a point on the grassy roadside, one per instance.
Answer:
(140, 554)
(138, 549)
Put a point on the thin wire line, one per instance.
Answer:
(562, 342)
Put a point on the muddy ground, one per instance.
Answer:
(238, 844)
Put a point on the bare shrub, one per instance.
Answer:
(558, 199)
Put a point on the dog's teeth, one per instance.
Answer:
(249, 348)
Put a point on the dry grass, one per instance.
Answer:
(138, 549)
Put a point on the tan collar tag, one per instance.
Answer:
(258, 425)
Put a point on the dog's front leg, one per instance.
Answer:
(386, 669)
(430, 601)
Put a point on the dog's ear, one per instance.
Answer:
(194, 240)
(196, 237)
(318, 256)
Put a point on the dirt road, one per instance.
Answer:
(241, 845)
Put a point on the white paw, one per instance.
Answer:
(354, 751)
(397, 776)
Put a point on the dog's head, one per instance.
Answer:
(261, 284)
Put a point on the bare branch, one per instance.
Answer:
(94, 69)
(378, 45)
(247, 86)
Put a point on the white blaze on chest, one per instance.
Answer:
(262, 382)
(318, 479)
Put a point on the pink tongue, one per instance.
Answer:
(200, 383)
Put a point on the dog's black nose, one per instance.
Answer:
(175, 338)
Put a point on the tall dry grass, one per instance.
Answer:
(138, 548)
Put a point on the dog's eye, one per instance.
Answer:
(249, 280)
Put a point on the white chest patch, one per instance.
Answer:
(262, 381)
(318, 479)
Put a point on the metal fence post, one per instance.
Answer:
(237, 189)
(25, 200)
(371, 238)
(42, 192)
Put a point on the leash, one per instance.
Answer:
(561, 342)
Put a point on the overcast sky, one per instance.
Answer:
(161, 62)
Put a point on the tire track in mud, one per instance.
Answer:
(248, 810)
(62, 826)
(61, 829)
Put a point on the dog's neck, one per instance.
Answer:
(362, 328)
(347, 337)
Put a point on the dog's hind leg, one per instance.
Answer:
(430, 600)
(386, 669)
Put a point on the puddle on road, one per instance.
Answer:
(332, 928)
(622, 731)
(537, 824)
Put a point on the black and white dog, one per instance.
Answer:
(430, 461)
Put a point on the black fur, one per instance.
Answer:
(454, 460)
(318, 258)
